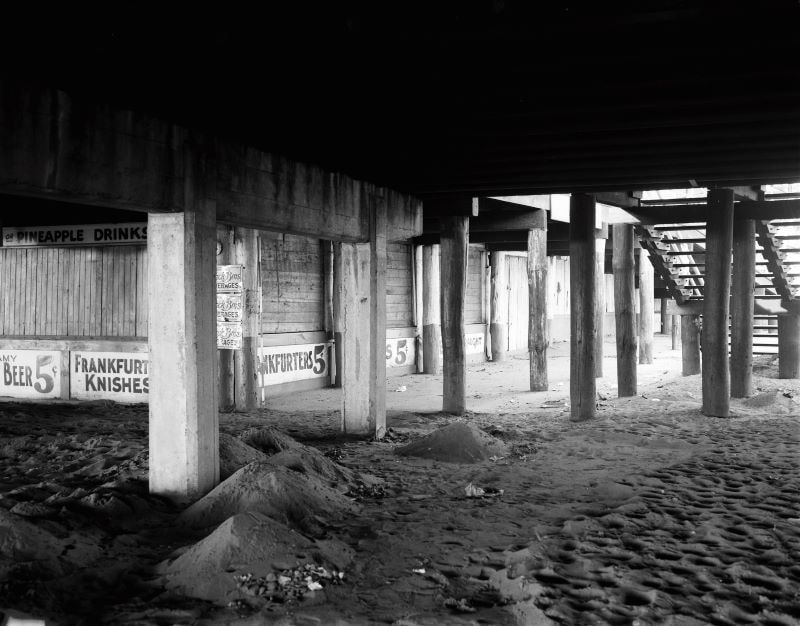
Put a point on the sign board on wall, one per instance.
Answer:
(119, 376)
(85, 235)
(30, 373)
(284, 364)
(474, 343)
(230, 300)
(400, 352)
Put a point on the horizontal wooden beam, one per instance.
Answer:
(621, 199)
(746, 209)
(449, 206)
(761, 307)
(528, 219)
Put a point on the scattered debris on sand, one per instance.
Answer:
(457, 443)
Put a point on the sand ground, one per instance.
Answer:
(650, 514)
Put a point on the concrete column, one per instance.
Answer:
(583, 305)
(418, 298)
(625, 309)
(600, 310)
(690, 344)
(455, 243)
(184, 431)
(225, 357)
(537, 307)
(498, 319)
(353, 340)
(377, 317)
(431, 315)
(716, 303)
(329, 302)
(246, 254)
(742, 285)
(646, 308)
(340, 295)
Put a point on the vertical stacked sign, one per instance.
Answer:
(230, 306)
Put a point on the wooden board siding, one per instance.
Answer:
(399, 295)
(73, 292)
(517, 282)
(292, 284)
(473, 305)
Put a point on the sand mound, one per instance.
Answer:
(234, 454)
(287, 496)
(456, 443)
(247, 543)
(22, 541)
(281, 450)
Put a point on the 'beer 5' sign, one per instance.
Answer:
(30, 373)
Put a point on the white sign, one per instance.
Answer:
(86, 235)
(474, 343)
(229, 335)
(120, 376)
(284, 364)
(400, 352)
(30, 373)
(229, 279)
(229, 307)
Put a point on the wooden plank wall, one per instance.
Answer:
(399, 304)
(473, 306)
(73, 292)
(292, 284)
(517, 333)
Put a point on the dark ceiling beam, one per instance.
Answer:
(621, 199)
(749, 209)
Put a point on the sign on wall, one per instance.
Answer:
(230, 306)
(119, 376)
(474, 343)
(400, 352)
(30, 373)
(72, 235)
(284, 364)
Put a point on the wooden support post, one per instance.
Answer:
(690, 344)
(600, 288)
(666, 318)
(646, 308)
(431, 316)
(329, 303)
(183, 426)
(742, 285)
(676, 331)
(583, 303)
(789, 345)
(354, 336)
(225, 357)
(498, 320)
(625, 309)
(716, 303)
(537, 307)
(246, 254)
(377, 317)
(419, 308)
(454, 244)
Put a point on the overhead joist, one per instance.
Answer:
(746, 209)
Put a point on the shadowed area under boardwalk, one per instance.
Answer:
(650, 514)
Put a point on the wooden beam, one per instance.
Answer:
(742, 284)
(454, 247)
(621, 199)
(583, 296)
(225, 357)
(600, 301)
(625, 309)
(445, 207)
(716, 303)
(246, 254)
(537, 308)
(498, 220)
(690, 213)
(377, 315)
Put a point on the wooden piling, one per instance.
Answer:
(743, 282)
(498, 319)
(537, 307)
(646, 308)
(454, 247)
(625, 309)
(789, 345)
(690, 345)
(583, 304)
(716, 303)
(431, 316)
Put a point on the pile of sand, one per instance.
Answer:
(234, 454)
(247, 543)
(456, 443)
(297, 499)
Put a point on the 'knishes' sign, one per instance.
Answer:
(70, 235)
(120, 376)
